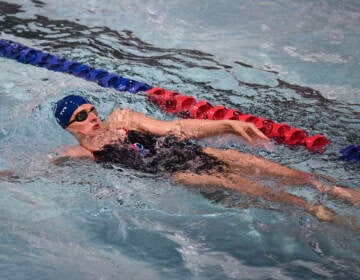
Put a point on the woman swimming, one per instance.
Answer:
(134, 140)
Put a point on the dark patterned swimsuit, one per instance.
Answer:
(155, 154)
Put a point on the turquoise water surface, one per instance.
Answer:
(296, 62)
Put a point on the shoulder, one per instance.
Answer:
(115, 116)
(124, 118)
(70, 152)
(122, 113)
(78, 151)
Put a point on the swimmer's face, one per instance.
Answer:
(84, 121)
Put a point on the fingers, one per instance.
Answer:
(246, 136)
(259, 133)
(249, 132)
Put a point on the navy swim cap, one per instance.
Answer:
(65, 107)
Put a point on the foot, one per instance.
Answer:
(323, 213)
(348, 194)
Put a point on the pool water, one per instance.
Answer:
(296, 62)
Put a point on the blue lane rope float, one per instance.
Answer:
(351, 153)
(35, 57)
(172, 102)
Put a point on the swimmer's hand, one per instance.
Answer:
(7, 175)
(248, 131)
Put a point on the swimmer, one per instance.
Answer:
(134, 140)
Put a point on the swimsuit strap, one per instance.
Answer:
(86, 148)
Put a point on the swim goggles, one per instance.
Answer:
(83, 115)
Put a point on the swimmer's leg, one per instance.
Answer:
(240, 184)
(260, 167)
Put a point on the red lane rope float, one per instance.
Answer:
(187, 107)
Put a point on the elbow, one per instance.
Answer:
(179, 130)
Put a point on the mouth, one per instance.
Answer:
(96, 126)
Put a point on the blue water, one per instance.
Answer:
(292, 61)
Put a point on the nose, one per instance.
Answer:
(93, 117)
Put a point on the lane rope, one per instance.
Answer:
(171, 101)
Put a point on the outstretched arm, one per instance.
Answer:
(185, 128)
